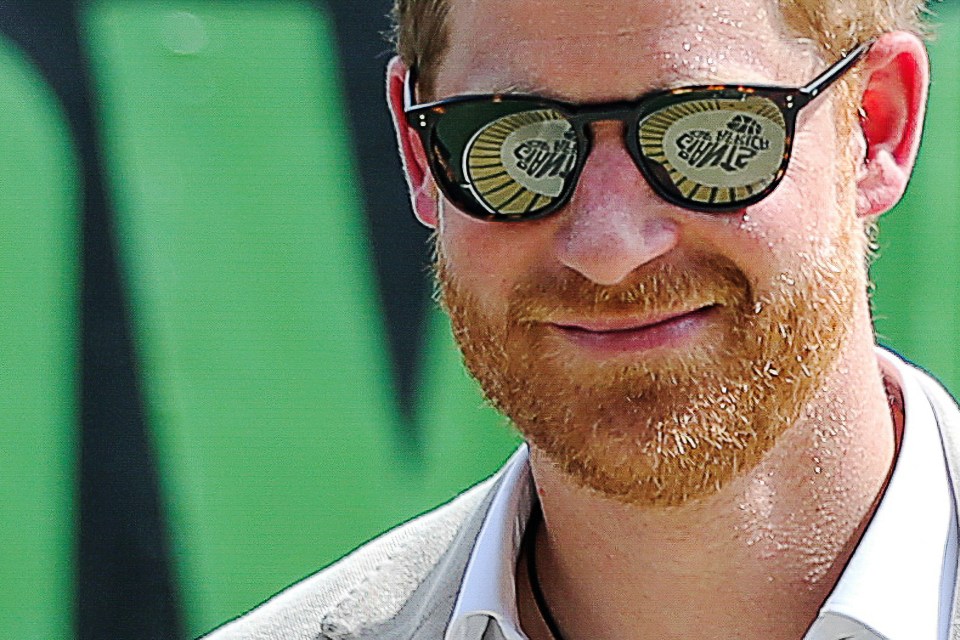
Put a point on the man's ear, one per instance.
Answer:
(895, 75)
(423, 190)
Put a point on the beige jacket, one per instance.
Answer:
(404, 585)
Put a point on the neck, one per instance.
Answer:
(755, 560)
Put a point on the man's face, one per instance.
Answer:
(650, 351)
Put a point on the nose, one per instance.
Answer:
(614, 223)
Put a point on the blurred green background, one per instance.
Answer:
(220, 368)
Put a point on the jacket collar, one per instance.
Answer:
(427, 612)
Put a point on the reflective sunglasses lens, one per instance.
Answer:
(520, 164)
(712, 151)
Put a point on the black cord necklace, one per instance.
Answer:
(530, 550)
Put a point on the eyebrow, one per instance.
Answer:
(671, 81)
(672, 77)
(521, 88)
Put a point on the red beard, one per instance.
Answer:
(663, 427)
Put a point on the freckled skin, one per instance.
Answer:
(756, 558)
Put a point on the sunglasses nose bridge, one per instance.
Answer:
(608, 175)
(587, 116)
(584, 121)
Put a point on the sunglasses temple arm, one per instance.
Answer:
(408, 89)
(832, 74)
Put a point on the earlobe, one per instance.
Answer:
(895, 78)
(423, 190)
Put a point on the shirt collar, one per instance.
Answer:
(898, 584)
(489, 588)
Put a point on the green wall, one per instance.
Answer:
(266, 370)
(261, 339)
(39, 195)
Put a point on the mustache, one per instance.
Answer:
(697, 281)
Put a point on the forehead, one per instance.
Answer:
(588, 50)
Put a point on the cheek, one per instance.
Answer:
(797, 226)
(806, 213)
(490, 258)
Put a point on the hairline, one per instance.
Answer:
(423, 45)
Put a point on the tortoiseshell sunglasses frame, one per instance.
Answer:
(424, 118)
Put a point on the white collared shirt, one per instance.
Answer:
(898, 584)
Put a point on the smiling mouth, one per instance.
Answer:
(624, 335)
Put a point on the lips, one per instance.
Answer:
(633, 334)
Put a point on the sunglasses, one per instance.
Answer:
(710, 148)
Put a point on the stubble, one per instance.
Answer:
(677, 424)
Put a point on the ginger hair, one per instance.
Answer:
(834, 26)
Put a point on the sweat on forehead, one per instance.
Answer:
(422, 35)
(575, 51)
(594, 18)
